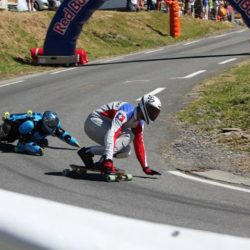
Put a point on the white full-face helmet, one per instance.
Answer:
(151, 107)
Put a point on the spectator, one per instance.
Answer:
(186, 7)
(229, 12)
(141, 4)
(191, 2)
(222, 11)
(198, 9)
(205, 9)
(216, 8)
(158, 5)
(133, 5)
(151, 4)
(30, 4)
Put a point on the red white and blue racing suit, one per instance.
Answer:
(114, 126)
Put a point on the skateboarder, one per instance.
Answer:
(31, 130)
(114, 126)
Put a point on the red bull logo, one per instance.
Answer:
(245, 6)
(69, 13)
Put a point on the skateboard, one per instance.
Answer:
(77, 170)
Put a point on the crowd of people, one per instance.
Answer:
(204, 9)
(137, 5)
(219, 10)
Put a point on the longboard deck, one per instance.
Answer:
(94, 169)
(83, 170)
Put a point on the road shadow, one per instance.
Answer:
(145, 177)
(60, 148)
(7, 148)
(93, 176)
(157, 31)
(54, 173)
(86, 177)
(28, 61)
(166, 59)
(25, 60)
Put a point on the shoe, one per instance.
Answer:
(43, 143)
(86, 157)
(108, 167)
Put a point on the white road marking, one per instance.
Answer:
(60, 71)
(191, 42)
(221, 35)
(53, 225)
(177, 173)
(227, 61)
(111, 60)
(131, 81)
(152, 51)
(239, 31)
(11, 83)
(154, 92)
(190, 75)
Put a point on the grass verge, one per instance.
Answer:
(224, 102)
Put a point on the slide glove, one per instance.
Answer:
(149, 171)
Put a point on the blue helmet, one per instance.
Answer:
(50, 122)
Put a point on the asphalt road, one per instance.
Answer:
(75, 92)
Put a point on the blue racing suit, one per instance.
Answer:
(28, 130)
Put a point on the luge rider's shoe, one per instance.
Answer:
(86, 157)
(43, 143)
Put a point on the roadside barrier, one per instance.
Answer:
(174, 18)
(79, 58)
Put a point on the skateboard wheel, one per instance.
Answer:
(29, 112)
(42, 151)
(66, 172)
(5, 115)
(129, 177)
(110, 178)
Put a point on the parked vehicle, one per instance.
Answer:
(41, 4)
(54, 4)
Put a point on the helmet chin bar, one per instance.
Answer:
(150, 107)
(144, 110)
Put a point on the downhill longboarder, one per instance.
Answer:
(114, 126)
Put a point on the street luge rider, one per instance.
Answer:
(31, 130)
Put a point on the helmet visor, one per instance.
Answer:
(153, 112)
(52, 123)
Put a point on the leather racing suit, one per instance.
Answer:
(27, 129)
(114, 126)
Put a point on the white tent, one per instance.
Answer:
(22, 5)
(3, 4)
